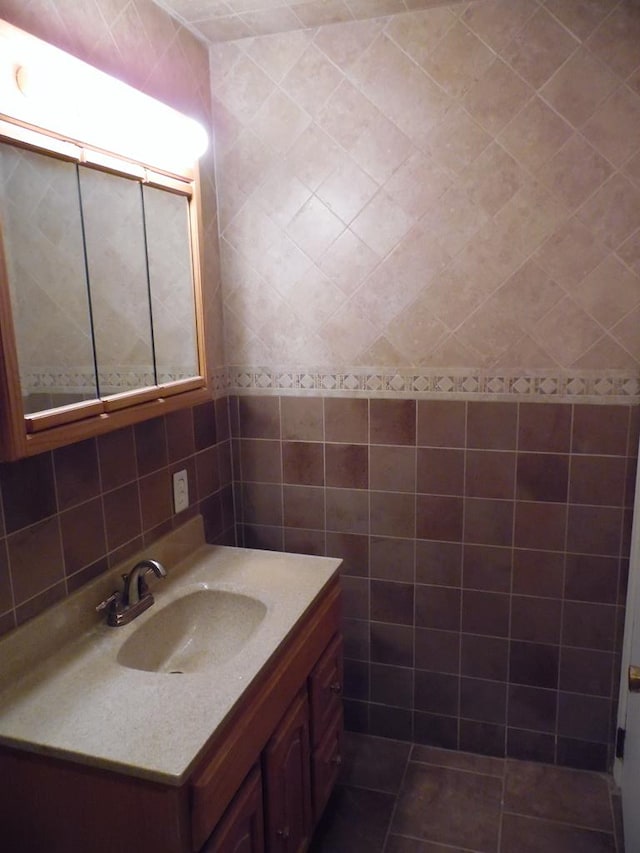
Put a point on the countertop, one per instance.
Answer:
(63, 692)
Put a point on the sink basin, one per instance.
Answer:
(192, 633)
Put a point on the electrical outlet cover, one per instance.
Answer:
(180, 490)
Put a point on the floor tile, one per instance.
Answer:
(424, 799)
(531, 835)
(373, 762)
(449, 806)
(558, 793)
(401, 844)
(355, 821)
(458, 760)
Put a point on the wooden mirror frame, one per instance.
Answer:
(22, 436)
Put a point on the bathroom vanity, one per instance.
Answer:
(104, 747)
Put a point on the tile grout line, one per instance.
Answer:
(397, 799)
(555, 824)
(504, 764)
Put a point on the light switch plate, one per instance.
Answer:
(180, 490)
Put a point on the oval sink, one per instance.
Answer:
(192, 633)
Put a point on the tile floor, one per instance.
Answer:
(394, 797)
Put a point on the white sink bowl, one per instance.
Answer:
(193, 633)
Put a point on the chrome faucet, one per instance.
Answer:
(135, 585)
(135, 598)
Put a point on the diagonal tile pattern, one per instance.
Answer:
(228, 20)
(454, 802)
(455, 185)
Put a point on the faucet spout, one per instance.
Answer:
(135, 598)
(135, 586)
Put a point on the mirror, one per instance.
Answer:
(44, 256)
(100, 281)
(113, 221)
(172, 295)
(100, 276)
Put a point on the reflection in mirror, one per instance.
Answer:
(171, 284)
(40, 215)
(117, 267)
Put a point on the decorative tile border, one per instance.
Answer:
(83, 380)
(586, 386)
(219, 379)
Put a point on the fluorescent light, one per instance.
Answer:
(59, 93)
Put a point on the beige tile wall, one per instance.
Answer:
(452, 187)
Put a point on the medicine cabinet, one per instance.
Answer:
(101, 319)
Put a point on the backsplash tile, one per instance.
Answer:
(484, 565)
(73, 513)
(117, 455)
(83, 536)
(122, 515)
(28, 492)
(151, 445)
(35, 559)
(76, 471)
(204, 425)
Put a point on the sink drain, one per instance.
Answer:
(176, 672)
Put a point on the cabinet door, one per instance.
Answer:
(241, 830)
(288, 782)
(326, 689)
(325, 766)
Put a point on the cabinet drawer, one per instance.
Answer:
(241, 830)
(325, 685)
(326, 762)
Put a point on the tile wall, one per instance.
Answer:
(69, 515)
(485, 550)
(228, 20)
(457, 186)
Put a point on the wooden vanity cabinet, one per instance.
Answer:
(300, 765)
(270, 765)
(285, 720)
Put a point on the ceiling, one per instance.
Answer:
(227, 20)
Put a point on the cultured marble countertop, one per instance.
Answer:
(63, 692)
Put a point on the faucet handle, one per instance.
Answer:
(113, 600)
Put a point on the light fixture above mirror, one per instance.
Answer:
(45, 87)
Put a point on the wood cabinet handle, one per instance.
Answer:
(336, 687)
(283, 833)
